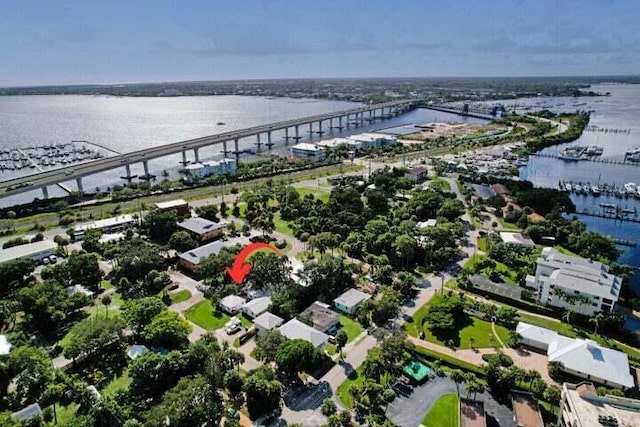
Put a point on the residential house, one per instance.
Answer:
(296, 330)
(256, 307)
(365, 141)
(28, 412)
(582, 358)
(320, 316)
(180, 206)
(581, 406)
(232, 304)
(417, 174)
(350, 300)
(202, 229)
(517, 239)
(266, 322)
(190, 259)
(511, 212)
(574, 283)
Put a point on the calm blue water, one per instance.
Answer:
(128, 124)
(620, 110)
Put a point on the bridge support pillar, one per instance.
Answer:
(196, 155)
(331, 125)
(286, 136)
(348, 125)
(310, 130)
(45, 192)
(297, 133)
(320, 128)
(79, 184)
(269, 143)
(128, 175)
(259, 142)
(147, 175)
(185, 162)
(237, 149)
(224, 149)
(340, 122)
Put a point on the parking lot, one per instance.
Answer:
(413, 403)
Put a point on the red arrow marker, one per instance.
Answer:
(240, 269)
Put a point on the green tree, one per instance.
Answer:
(138, 313)
(192, 402)
(167, 329)
(160, 225)
(341, 340)
(328, 407)
(556, 369)
(91, 336)
(182, 241)
(233, 382)
(269, 271)
(83, 268)
(295, 356)
(209, 212)
(458, 377)
(387, 307)
(13, 274)
(30, 370)
(263, 391)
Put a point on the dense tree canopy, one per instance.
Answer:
(91, 336)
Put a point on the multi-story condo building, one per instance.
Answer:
(581, 406)
(574, 283)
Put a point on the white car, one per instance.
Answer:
(53, 259)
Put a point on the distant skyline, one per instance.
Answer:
(47, 42)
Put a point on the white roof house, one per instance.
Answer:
(580, 357)
(296, 330)
(232, 303)
(256, 306)
(267, 321)
(171, 204)
(516, 239)
(350, 300)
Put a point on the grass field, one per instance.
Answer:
(343, 389)
(440, 183)
(319, 194)
(478, 332)
(180, 296)
(351, 327)
(202, 315)
(281, 225)
(117, 384)
(443, 413)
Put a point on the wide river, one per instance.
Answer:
(125, 124)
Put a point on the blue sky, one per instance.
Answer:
(112, 41)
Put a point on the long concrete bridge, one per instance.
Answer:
(355, 117)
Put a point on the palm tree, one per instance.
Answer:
(599, 317)
(106, 301)
(458, 377)
(567, 316)
(474, 386)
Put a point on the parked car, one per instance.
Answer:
(232, 329)
(53, 259)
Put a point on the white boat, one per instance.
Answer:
(568, 187)
(595, 190)
(630, 187)
(594, 150)
(633, 151)
(577, 188)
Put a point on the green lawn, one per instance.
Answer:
(507, 225)
(117, 384)
(180, 296)
(444, 413)
(565, 251)
(343, 389)
(478, 332)
(281, 225)
(351, 327)
(440, 183)
(482, 244)
(319, 194)
(508, 274)
(202, 315)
